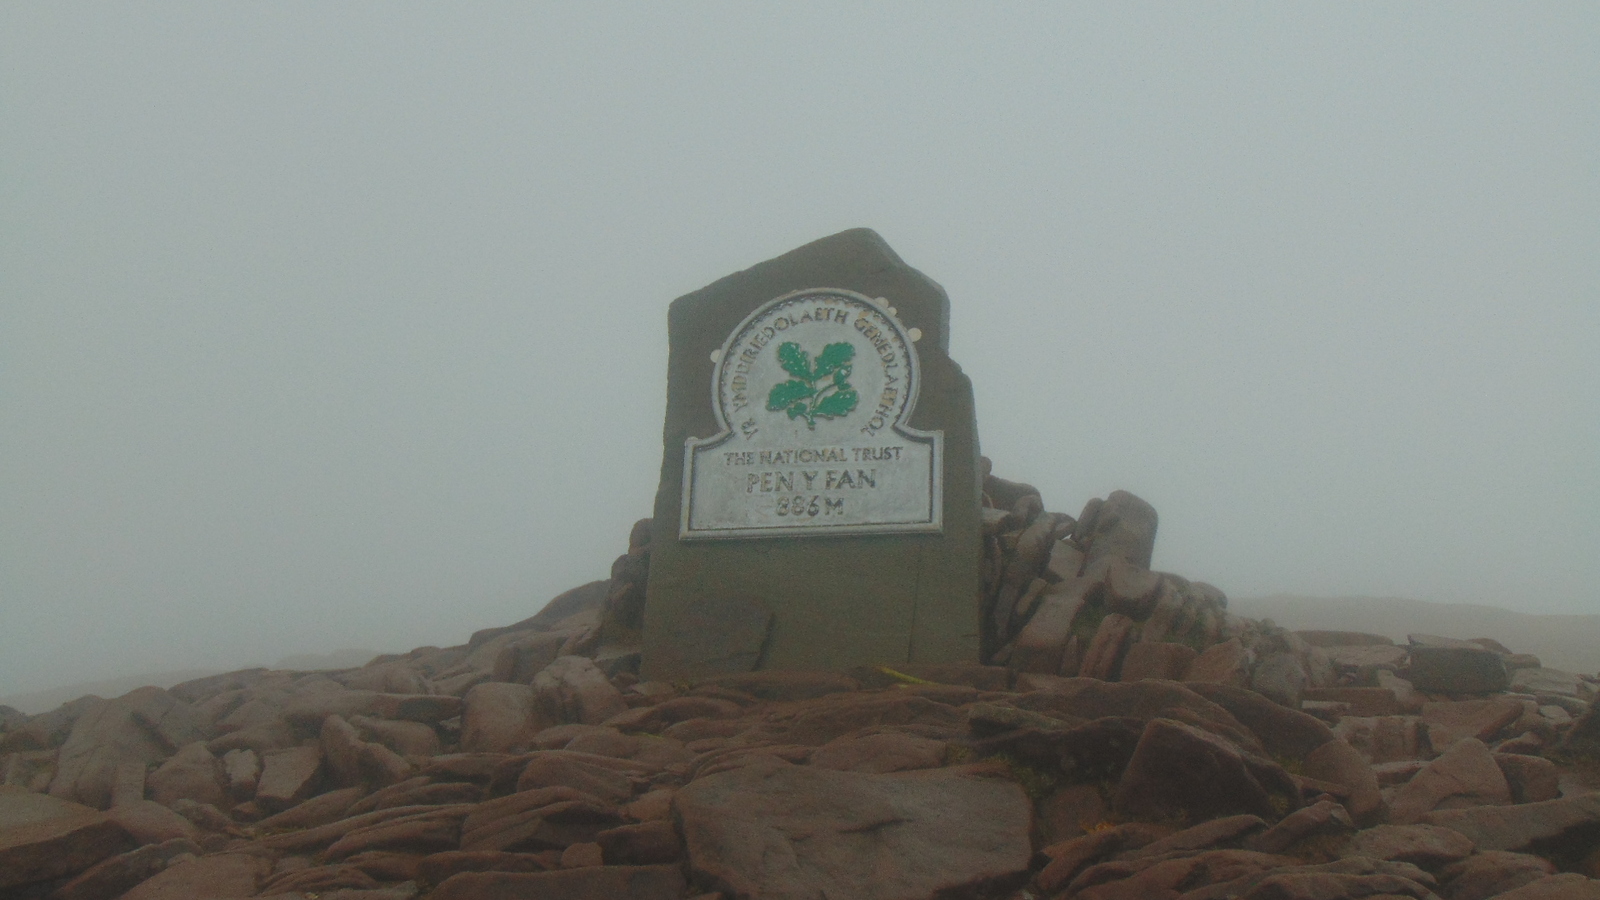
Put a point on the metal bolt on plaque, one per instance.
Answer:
(812, 393)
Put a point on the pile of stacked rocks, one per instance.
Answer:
(1076, 597)
(531, 762)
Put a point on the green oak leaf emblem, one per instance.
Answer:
(818, 388)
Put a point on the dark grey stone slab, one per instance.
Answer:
(837, 601)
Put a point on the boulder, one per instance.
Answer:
(646, 843)
(1456, 669)
(114, 876)
(1338, 763)
(1485, 720)
(241, 769)
(1283, 732)
(499, 717)
(190, 774)
(577, 771)
(1131, 590)
(1524, 825)
(1491, 873)
(1040, 643)
(1428, 846)
(1178, 770)
(1532, 778)
(772, 830)
(44, 837)
(1121, 527)
(288, 777)
(341, 751)
(1281, 678)
(1466, 773)
(1386, 739)
(1323, 819)
(1550, 681)
(1583, 738)
(573, 689)
(221, 877)
(1364, 661)
(405, 738)
(151, 823)
(1167, 662)
(536, 819)
(1103, 657)
(142, 727)
(1224, 663)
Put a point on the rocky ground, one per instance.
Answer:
(1129, 739)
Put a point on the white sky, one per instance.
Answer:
(345, 324)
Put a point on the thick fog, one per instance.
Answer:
(344, 325)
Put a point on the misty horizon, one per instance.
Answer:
(345, 326)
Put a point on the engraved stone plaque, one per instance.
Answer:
(820, 495)
(812, 393)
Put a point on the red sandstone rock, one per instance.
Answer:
(879, 753)
(1386, 739)
(1428, 846)
(1040, 643)
(1520, 827)
(1103, 657)
(319, 810)
(597, 883)
(1180, 770)
(1484, 720)
(1337, 762)
(192, 774)
(1224, 663)
(1532, 778)
(779, 831)
(114, 876)
(43, 837)
(1567, 886)
(499, 718)
(647, 843)
(142, 727)
(573, 689)
(151, 823)
(1491, 873)
(220, 877)
(1466, 772)
(1167, 662)
(288, 777)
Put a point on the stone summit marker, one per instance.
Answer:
(819, 498)
(800, 451)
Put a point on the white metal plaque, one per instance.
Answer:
(812, 393)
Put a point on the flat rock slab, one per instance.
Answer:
(43, 837)
(1428, 846)
(1550, 681)
(218, 877)
(1566, 886)
(1180, 770)
(772, 831)
(1451, 721)
(1519, 827)
(593, 883)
